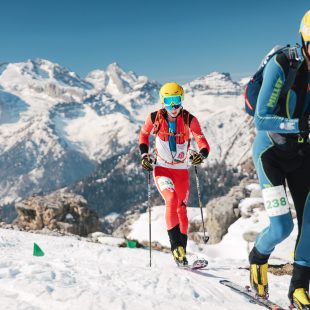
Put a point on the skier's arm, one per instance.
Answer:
(267, 101)
(203, 145)
(145, 132)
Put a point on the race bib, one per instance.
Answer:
(275, 201)
(181, 152)
(165, 183)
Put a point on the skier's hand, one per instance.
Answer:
(196, 159)
(146, 162)
(304, 124)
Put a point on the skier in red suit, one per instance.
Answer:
(172, 126)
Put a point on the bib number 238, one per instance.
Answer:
(275, 201)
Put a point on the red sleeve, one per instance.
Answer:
(145, 132)
(198, 135)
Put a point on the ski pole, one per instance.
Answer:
(205, 238)
(149, 207)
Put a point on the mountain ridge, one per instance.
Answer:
(56, 128)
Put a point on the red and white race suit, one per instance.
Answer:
(171, 168)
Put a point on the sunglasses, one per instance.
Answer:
(171, 107)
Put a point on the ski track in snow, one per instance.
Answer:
(77, 275)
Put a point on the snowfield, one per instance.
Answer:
(78, 274)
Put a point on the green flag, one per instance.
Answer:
(131, 243)
(37, 250)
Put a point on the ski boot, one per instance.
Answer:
(298, 292)
(300, 299)
(178, 245)
(258, 272)
(179, 256)
(259, 279)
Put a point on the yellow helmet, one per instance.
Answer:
(171, 89)
(305, 27)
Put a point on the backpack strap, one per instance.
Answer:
(296, 79)
(156, 118)
(290, 79)
(300, 87)
(186, 121)
(187, 117)
(291, 66)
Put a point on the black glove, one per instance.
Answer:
(146, 162)
(196, 159)
(304, 124)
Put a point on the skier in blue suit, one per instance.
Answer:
(281, 154)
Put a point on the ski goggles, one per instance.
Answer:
(172, 102)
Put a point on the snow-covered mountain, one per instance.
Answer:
(217, 101)
(55, 127)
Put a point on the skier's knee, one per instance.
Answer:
(171, 202)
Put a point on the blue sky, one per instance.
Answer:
(164, 40)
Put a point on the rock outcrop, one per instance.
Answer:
(60, 210)
(223, 211)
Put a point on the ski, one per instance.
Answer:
(196, 265)
(251, 295)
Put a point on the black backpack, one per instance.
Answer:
(253, 87)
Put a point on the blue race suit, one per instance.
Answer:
(281, 153)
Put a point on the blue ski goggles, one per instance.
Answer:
(172, 102)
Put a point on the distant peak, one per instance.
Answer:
(214, 83)
(114, 64)
(115, 67)
(213, 77)
(42, 61)
(220, 75)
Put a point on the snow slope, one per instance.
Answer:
(80, 275)
(233, 244)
